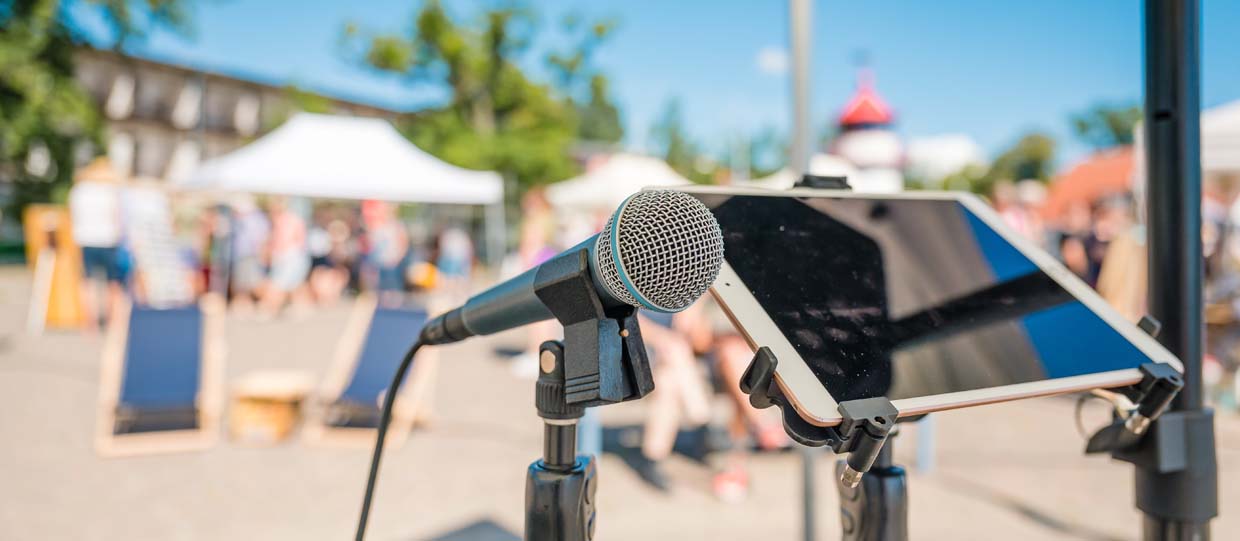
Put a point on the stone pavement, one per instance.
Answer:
(1021, 477)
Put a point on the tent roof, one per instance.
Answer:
(343, 158)
(606, 186)
(1220, 137)
(1106, 173)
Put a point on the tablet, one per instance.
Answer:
(925, 298)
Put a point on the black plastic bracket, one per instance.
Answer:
(866, 424)
(823, 182)
(560, 488)
(1152, 395)
(1176, 470)
(605, 358)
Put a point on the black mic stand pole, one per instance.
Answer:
(601, 361)
(1176, 463)
(560, 488)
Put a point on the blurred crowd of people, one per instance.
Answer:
(281, 254)
(1102, 241)
(697, 356)
(264, 256)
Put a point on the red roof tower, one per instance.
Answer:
(866, 109)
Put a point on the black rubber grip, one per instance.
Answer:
(445, 329)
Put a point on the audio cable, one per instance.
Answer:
(385, 418)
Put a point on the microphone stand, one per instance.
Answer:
(601, 361)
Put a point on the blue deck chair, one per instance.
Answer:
(391, 332)
(161, 377)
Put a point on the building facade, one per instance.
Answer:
(163, 119)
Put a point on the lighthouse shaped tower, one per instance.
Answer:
(868, 140)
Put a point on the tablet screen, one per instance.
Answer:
(909, 297)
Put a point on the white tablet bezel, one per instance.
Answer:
(817, 406)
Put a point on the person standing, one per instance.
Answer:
(455, 261)
(94, 208)
(249, 239)
(389, 244)
(290, 259)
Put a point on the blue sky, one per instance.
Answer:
(992, 70)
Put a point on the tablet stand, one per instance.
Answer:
(602, 360)
(872, 507)
(873, 490)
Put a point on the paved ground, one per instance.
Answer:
(1013, 471)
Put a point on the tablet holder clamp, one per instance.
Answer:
(1138, 405)
(873, 495)
(601, 361)
(1146, 401)
(1174, 457)
(865, 427)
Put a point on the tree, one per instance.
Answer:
(598, 118)
(671, 141)
(756, 155)
(132, 21)
(1032, 157)
(1105, 126)
(47, 120)
(495, 116)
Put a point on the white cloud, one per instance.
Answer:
(773, 60)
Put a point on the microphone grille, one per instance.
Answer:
(661, 250)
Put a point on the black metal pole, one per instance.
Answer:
(1179, 501)
(1173, 135)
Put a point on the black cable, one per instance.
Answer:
(385, 418)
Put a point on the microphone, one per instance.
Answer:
(660, 250)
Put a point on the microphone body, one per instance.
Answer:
(661, 250)
(512, 303)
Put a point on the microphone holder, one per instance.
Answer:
(601, 360)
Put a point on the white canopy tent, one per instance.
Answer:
(1220, 138)
(337, 157)
(340, 157)
(604, 187)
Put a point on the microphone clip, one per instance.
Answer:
(605, 359)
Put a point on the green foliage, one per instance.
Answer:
(495, 117)
(671, 141)
(42, 108)
(132, 20)
(1105, 126)
(971, 177)
(296, 99)
(1032, 157)
(308, 101)
(767, 153)
(756, 156)
(599, 118)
